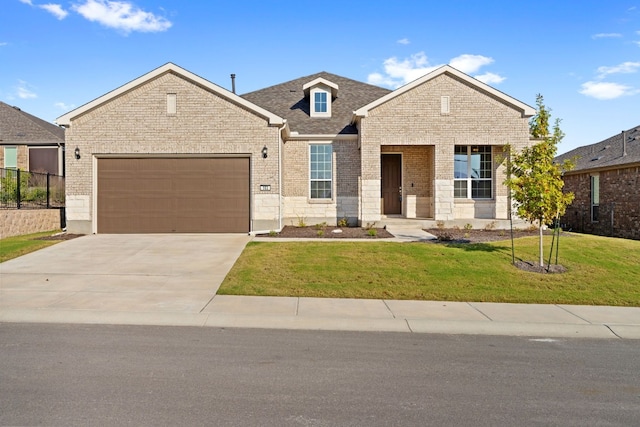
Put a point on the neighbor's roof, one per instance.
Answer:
(526, 110)
(288, 100)
(19, 127)
(169, 67)
(607, 153)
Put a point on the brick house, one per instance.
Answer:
(606, 184)
(30, 143)
(173, 152)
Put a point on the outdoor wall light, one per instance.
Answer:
(77, 153)
(264, 152)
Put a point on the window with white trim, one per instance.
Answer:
(472, 172)
(320, 171)
(595, 198)
(320, 102)
(10, 157)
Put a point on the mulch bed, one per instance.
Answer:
(60, 236)
(329, 232)
(458, 235)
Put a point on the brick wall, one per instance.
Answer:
(619, 210)
(346, 170)
(137, 123)
(16, 222)
(414, 118)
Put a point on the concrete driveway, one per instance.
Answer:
(151, 273)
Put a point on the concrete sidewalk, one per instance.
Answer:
(533, 320)
(174, 279)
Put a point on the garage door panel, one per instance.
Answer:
(181, 195)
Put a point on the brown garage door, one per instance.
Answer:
(178, 195)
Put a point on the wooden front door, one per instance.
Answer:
(392, 184)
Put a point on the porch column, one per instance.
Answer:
(370, 186)
(444, 201)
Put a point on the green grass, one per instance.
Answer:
(601, 271)
(13, 247)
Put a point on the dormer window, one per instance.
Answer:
(321, 93)
(320, 102)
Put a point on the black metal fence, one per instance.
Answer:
(30, 190)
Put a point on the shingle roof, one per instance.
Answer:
(607, 153)
(19, 127)
(287, 100)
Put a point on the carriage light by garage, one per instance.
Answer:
(77, 153)
(264, 152)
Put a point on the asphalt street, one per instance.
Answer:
(60, 374)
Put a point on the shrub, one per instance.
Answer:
(468, 226)
(343, 222)
(372, 232)
(445, 237)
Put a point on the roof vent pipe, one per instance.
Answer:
(233, 82)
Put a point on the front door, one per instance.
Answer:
(391, 184)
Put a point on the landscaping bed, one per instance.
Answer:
(330, 232)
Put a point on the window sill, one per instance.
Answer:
(320, 201)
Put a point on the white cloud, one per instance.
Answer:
(121, 15)
(490, 78)
(606, 36)
(470, 63)
(63, 106)
(24, 90)
(399, 72)
(404, 41)
(624, 68)
(3, 43)
(606, 90)
(55, 9)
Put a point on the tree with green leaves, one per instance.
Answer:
(534, 179)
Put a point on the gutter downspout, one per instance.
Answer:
(280, 197)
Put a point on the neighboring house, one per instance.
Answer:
(29, 143)
(173, 152)
(606, 184)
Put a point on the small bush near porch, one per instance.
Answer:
(601, 271)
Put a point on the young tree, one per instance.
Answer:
(534, 179)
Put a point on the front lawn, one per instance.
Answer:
(601, 271)
(13, 247)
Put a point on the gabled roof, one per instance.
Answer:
(288, 100)
(66, 119)
(608, 153)
(320, 81)
(527, 111)
(19, 127)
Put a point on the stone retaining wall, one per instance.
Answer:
(15, 222)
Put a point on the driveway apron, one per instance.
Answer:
(159, 273)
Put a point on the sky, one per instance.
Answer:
(582, 56)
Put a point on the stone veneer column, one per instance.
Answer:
(444, 203)
(370, 185)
